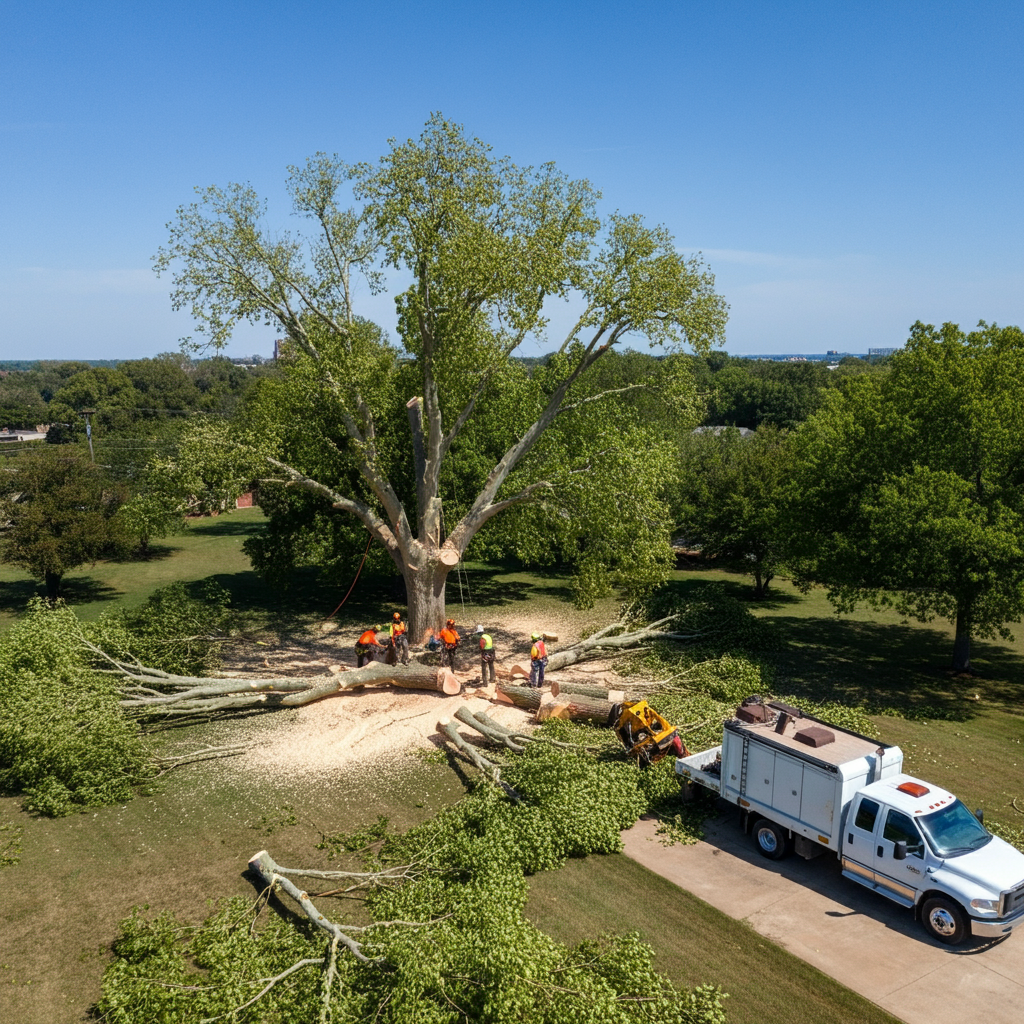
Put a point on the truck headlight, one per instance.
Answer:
(985, 904)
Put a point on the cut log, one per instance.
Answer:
(439, 680)
(525, 697)
(518, 672)
(561, 689)
(551, 707)
(551, 638)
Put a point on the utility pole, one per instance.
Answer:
(88, 432)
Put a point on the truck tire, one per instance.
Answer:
(944, 920)
(770, 839)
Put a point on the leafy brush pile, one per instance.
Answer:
(473, 957)
(176, 630)
(64, 742)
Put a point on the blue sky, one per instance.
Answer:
(845, 169)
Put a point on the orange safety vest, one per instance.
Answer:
(538, 651)
(449, 636)
(397, 628)
(368, 639)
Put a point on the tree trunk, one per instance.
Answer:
(962, 641)
(425, 586)
(52, 581)
(578, 707)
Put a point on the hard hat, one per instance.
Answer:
(397, 616)
(377, 629)
(535, 636)
(479, 629)
(451, 622)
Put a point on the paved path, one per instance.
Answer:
(854, 935)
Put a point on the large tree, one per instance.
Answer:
(732, 496)
(482, 245)
(912, 484)
(57, 512)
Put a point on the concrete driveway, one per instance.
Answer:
(852, 934)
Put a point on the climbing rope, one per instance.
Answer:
(369, 541)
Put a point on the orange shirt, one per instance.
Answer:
(368, 639)
(449, 636)
(538, 651)
(397, 628)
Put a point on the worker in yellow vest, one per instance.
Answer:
(538, 660)
(486, 655)
(399, 637)
(368, 647)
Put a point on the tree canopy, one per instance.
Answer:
(59, 512)
(483, 244)
(912, 483)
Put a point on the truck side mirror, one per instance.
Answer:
(980, 815)
(899, 850)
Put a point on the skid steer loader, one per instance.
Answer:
(646, 736)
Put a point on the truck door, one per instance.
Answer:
(900, 879)
(859, 841)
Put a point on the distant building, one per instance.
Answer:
(22, 435)
(744, 431)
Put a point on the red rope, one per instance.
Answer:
(369, 541)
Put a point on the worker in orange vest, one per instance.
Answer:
(450, 639)
(399, 637)
(538, 660)
(368, 647)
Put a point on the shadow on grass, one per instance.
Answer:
(15, 594)
(738, 587)
(224, 526)
(891, 666)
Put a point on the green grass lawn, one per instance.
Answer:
(694, 943)
(211, 547)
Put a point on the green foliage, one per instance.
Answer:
(60, 512)
(910, 490)
(64, 742)
(10, 844)
(732, 496)
(179, 629)
(478, 960)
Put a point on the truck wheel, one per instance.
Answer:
(770, 839)
(944, 920)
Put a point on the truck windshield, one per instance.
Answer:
(953, 830)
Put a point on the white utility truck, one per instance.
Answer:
(806, 785)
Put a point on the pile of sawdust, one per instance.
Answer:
(377, 727)
(371, 728)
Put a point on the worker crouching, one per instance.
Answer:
(399, 638)
(368, 647)
(538, 660)
(486, 656)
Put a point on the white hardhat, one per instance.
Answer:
(479, 628)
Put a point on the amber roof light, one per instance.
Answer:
(913, 788)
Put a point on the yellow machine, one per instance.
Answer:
(645, 734)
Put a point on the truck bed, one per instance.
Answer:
(691, 768)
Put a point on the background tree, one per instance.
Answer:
(731, 498)
(912, 484)
(60, 512)
(485, 244)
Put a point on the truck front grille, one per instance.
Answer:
(1012, 901)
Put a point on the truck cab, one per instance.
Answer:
(919, 845)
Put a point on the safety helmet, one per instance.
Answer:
(535, 636)
(377, 629)
(397, 616)
(450, 623)
(479, 629)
